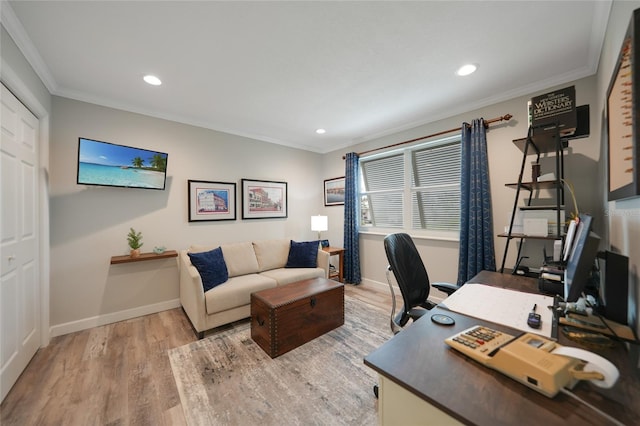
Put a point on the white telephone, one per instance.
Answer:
(537, 362)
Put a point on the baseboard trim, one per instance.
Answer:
(99, 320)
(383, 286)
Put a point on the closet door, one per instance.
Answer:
(19, 241)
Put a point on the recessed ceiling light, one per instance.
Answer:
(321, 131)
(466, 70)
(152, 80)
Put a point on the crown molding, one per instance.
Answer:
(17, 32)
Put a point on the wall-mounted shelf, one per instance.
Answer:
(143, 256)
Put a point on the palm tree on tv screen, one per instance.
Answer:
(158, 162)
(137, 162)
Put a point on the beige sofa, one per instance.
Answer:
(252, 266)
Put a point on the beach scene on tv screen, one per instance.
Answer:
(102, 163)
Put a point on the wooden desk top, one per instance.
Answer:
(418, 360)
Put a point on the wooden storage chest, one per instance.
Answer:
(283, 318)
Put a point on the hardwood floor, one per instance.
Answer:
(117, 374)
(371, 294)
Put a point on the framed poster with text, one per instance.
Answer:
(622, 122)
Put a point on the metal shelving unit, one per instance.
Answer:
(537, 145)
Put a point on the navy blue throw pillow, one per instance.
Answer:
(211, 266)
(303, 255)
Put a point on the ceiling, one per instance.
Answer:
(277, 71)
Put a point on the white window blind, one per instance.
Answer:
(415, 189)
(435, 188)
(383, 183)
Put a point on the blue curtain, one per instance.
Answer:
(351, 213)
(477, 251)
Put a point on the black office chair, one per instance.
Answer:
(412, 278)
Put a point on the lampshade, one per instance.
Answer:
(319, 223)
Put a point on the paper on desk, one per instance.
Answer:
(501, 306)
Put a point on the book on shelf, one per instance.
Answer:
(568, 241)
(553, 110)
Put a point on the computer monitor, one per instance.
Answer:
(584, 249)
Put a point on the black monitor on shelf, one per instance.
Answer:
(583, 252)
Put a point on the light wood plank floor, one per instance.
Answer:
(117, 374)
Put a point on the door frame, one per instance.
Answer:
(25, 95)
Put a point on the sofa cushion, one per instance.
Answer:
(303, 254)
(271, 254)
(289, 275)
(211, 267)
(196, 248)
(240, 258)
(236, 292)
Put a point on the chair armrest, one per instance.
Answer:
(445, 287)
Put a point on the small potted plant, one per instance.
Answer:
(135, 242)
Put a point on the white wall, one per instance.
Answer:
(90, 224)
(581, 165)
(623, 217)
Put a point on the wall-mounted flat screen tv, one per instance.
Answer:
(109, 164)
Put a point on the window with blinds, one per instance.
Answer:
(413, 189)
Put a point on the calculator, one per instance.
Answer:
(479, 342)
(527, 358)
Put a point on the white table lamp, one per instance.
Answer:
(319, 223)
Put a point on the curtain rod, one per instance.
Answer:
(505, 117)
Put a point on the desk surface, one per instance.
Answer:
(418, 360)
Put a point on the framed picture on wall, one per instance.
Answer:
(263, 199)
(209, 201)
(622, 123)
(334, 191)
